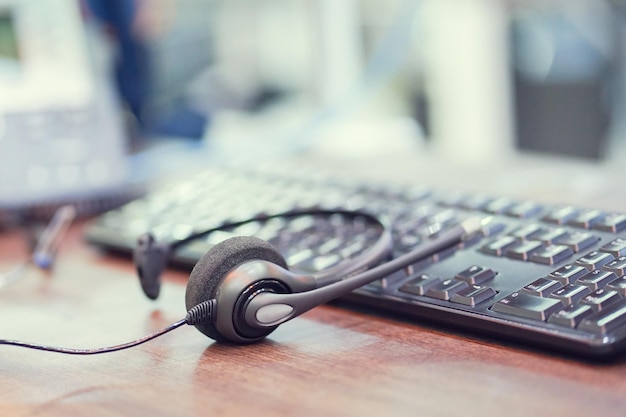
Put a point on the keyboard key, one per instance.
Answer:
(571, 294)
(567, 274)
(444, 290)
(617, 266)
(599, 299)
(473, 295)
(420, 284)
(499, 246)
(524, 250)
(561, 215)
(613, 223)
(524, 210)
(618, 285)
(607, 320)
(322, 262)
(528, 306)
(352, 249)
(475, 275)
(499, 205)
(452, 199)
(552, 254)
(594, 260)
(578, 241)
(596, 280)
(444, 217)
(616, 247)
(407, 242)
(330, 246)
(549, 236)
(527, 232)
(475, 202)
(300, 257)
(570, 316)
(542, 287)
(586, 218)
(491, 228)
(391, 280)
(429, 230)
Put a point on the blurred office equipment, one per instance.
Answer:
(465, 77)
(502, 77)
(61, 137)
(157, 47)
(565, 67)
(471, 75)
(469, 72)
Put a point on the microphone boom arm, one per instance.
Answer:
(271, 309)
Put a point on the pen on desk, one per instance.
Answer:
(51, 238)
(46, 248)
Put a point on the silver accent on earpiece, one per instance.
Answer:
(243, 277)
(274, 313)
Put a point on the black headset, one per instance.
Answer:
(248, 283)
(249, 290)
(242, 289)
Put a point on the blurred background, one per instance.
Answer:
(100, 96)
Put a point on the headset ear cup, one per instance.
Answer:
(208, 273)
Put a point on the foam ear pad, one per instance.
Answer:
(207, 274)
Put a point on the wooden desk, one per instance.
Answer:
(331, 361)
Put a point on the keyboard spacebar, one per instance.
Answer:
(606, 320)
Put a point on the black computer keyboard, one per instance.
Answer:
(551, 277)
